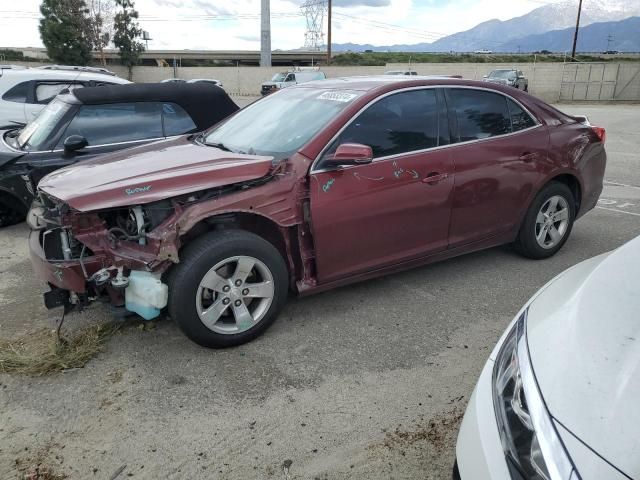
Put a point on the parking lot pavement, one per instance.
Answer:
(364, 382)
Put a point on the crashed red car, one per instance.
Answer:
(316, 186)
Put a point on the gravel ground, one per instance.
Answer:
(364, 382)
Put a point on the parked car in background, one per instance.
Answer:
(290, 78)
(558, 397)
(173, 80)
(87, 122)
(212, 81)
(401, 72)
(26, 91)
(320, 185)
(513, 78)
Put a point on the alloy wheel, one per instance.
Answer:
(552, 222)
(235, 295)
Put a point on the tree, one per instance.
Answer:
(101, 14)
(126, 33)
(65, 31)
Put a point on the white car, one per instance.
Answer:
(26, 91)
(559, 398)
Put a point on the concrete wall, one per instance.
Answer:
(553, 82)
(544, 78)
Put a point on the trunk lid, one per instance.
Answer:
(149, 173)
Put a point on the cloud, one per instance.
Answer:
(361, 3)
(361, 22)
(249, 38)
(208, 8)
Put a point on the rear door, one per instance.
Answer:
(396, 208)
(500, 154)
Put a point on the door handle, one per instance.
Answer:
(528, 156)
(434, 177)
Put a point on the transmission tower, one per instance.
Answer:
(314, 12)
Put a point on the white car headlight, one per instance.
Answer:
(531, 444)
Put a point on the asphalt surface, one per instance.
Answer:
(363, 382)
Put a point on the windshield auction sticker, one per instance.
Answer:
(338, 96)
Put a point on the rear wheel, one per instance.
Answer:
(228, 288)
(548, 222)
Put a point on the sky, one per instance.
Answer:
(209, 25)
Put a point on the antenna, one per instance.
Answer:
(314, 12)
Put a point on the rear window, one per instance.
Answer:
(45, 92)
(520, 119)
(480, 114)
(18, 93)
(176, 121)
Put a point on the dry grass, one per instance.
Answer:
(40, 353)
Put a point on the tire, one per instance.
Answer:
(220, 260)
(533, 241)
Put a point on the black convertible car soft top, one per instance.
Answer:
(200, 100)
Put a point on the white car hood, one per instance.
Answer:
(584, 341)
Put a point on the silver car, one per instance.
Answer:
(513, 78)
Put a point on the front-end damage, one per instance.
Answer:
(121, 255)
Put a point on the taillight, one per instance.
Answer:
(600, 132)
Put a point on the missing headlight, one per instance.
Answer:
(531, 444)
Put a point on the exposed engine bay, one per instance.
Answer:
(123, 252)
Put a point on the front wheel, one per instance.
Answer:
(548, 222)
(228, 288)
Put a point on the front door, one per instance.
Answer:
(395, 208)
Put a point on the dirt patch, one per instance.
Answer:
(42, 353)
(37, 465)
(439, 431)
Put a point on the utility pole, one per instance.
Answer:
(265, 34)
(609, 40)
(329, 34)
(575, 35)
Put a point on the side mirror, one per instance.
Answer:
(75, 143)
(351, 154)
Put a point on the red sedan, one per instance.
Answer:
(313, 187)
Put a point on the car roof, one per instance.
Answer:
(203, 102)
(372, 82)
(50, 74)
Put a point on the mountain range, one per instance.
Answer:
(528, 33)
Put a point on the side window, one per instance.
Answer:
(45, 92)
(176, 120)
(400, 123)
(480, 114)
(290, 78)
(18, 93)
(519, 118)
(118, 122)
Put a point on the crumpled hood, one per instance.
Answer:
(584, 341)
(149, 173)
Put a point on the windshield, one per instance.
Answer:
(279, 77)
(280, 124)
(505, 74)
(34, 135)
